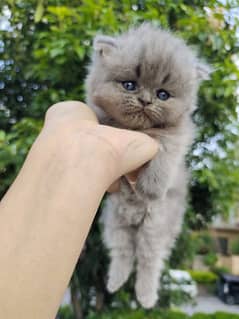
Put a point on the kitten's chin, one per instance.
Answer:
(137, 121)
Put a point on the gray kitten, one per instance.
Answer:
(145, 79)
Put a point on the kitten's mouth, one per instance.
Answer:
(140, 112)
(148, 112)
(137, 119)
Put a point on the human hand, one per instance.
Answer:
(133, 176)
(56, 195)
(124, 150)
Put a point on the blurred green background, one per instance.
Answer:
(44, 52)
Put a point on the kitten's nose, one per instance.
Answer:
(144, 101)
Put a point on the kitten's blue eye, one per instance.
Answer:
(163, 95)
(129, 85)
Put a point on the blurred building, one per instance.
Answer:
(225, 232)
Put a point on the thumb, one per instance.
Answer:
(138, 149)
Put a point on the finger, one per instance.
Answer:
(73, 109)
(139, 151)
(132, 176)
(153, 132)
(115, 187)
(128, 149)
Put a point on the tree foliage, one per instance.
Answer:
(45, 47)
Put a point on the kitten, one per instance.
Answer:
(146, 79)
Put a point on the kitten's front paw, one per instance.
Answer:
(147, 192)
(147, 184)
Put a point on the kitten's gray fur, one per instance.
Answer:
(144, 223)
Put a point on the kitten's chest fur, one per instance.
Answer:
(134, 206)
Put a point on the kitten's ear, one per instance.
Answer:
(104, 45)
(203, 71)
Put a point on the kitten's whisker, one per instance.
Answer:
(155, 113)
(132, 110)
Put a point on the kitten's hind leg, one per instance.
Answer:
(149, 264)
(122, 259)
(155, 240)
(119, 239)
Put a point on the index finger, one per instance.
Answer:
(74, 109)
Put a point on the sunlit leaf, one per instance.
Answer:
(39, 11)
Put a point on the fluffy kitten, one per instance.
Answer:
(146, 78)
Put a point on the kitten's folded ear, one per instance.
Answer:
(104, 45)
(203, 71)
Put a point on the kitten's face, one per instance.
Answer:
(145, 78)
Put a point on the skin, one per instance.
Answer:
(47, 212)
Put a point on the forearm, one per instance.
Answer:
(44, 220)
(47, 212)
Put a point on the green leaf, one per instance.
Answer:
(11, 2)
(2, 136)
(80, 51)
(39, 11)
